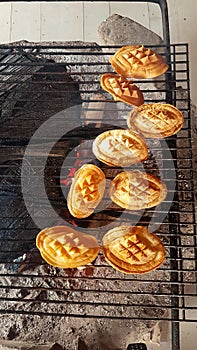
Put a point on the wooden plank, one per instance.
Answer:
(187, 14)
(188, 329)
(94, 14)
(5, 15)
(187, 34)
(136, 11)
(155, 19)
(25, 21)
(173, 21)
(62, 21)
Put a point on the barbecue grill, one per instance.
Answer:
(34, 80)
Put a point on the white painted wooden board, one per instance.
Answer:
(25, 21)
(155, 20)
(5, 14)
(183, 16)
(61, 21)
(94, 14)
(136, 11)
(173, 21)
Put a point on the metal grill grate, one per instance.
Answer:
(33, 84)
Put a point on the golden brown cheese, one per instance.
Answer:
(122, 89)
(156, 120)
(136, 190)
(86, 191)
(138, 62)
(133, 249)
(64, 247)
(120, 148)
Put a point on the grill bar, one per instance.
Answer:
(84, 316)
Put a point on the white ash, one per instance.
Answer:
(64, 288)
